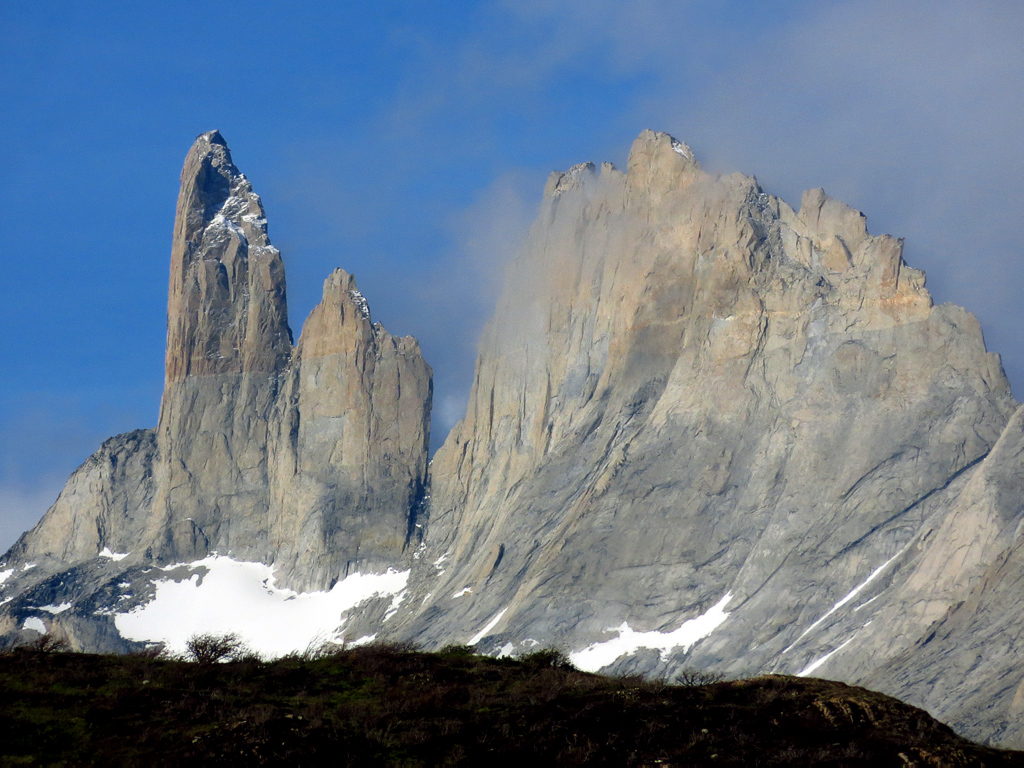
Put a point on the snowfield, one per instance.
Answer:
(241, 597)
(599, 655)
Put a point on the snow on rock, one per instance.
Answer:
(396, 602)
(5, 575)
(463, 591)
(360, 302)
(115, 556)
(240, 597)
(850, 596)
(815, 664)
(487, 627)
(681, 149)
(34, 623)
(55, 609)
(601, 654)
(223, 224)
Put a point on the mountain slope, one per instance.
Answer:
(312, 458)
(705, 430)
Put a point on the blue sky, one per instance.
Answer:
(408, 142)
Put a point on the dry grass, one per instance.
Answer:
(392, 705)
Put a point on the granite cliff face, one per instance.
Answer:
(312, 458)
(350, 449)
(705, 430)
(709, 430)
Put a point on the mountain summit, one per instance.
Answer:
(705, 429)
(310, 457)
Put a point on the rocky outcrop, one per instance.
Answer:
(705, 430)
(228, 343)
(350, 451)
(103, 508)
(311, 458)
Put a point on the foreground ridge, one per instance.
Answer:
(386, 705)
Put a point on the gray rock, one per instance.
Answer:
(312, 458)
(691, 397)
(706, 430)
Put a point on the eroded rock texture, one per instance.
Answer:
(705, 430)
(694, 396)
(312, 457)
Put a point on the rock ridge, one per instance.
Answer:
(706, 429)
(263, 452)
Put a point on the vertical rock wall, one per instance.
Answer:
(312, 457)
(694, 399)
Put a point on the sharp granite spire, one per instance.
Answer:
(312, 458)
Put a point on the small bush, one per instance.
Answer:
(319, 648)
(554, 658)
(693, 678)
(210, 649)
(155, 651)
(458, 650)
(45, 644)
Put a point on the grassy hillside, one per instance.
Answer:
(388, 705)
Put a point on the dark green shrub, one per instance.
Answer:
(457, 650)
(554, 658)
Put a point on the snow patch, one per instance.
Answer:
(681, 149)
(5, 575)
(220, 222)
(54, 609)
(487, 628)
(867, 602)
(360, 301)
(850, 596)
(28, 566)
(241, 597)
(364, 640)
(439, 564)
(115, 556)
(463, 591)
(815, 664)
(396, 601)
(601, 654)
(506, 650)
(34, 623)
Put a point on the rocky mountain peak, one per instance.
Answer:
(226, 310)
(705, 430)
(659, 162)
(340, 320)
